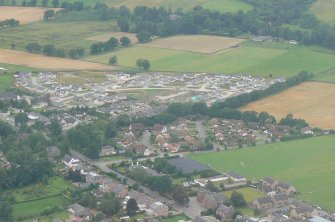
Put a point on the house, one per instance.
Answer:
(93, 177)
(158, 209)
(263, 203)
(69, 161)
(280, 200)
(209, 200)
(225, 213)
(286, 188)
(79, 212)
(107, 151)
(318, 219)
(300, 210)
(236, 177)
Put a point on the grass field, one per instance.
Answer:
(195, 43)
(227, 5)
(176, 218)
(46, 62)
(311, 101)
(23, 14)
(249, 194)
(6, 81)
(57, 33)
(307, 164)
(324, 10)
(278, 59)
(118, 35)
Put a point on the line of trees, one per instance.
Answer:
(110, 45)
(51, 50)
(9, 23)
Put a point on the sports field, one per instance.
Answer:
(46, 62)
(324, 10)
(308, 164)
(260, 59)
(311, 101)
(196, 43)
(23, 14)
(118, 35)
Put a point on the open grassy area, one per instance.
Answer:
(324, 10)
(308, 164)
(311, 101)
(249, 194)
(227, 5)
(37, 206)
(6, 81)
(278, 59)
(176, 218)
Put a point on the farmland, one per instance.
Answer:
(307, 164)
(48, 63)
(278, 59)
(227, 5)
(24, 14)
(118, 35)
(5, 81)
(324, 10)
(195, 43)
(311, 101)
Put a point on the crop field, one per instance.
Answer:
(47, 63)
(196, 43)
(324, 10)
(308, 164)
(259, 59)
(118, 35)
(311, 101)
(57, 33)
(24, 14)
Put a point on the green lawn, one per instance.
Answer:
(37, 206)
(324, 10)
(57, 33)
(249, 194)
(227, 5)
(278, 59)
(176, 218)
(307, 164)
(6, 81)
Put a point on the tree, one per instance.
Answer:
(143, 36)
(110, 205)
(49, 50)
(6, 211)
(33, 3)
(33, 47)
(143, 63)
(132, 207)
(123, 24)
(180, 195)
(125, 41)
(21, 119)
(55, 3)
(238, 199)
(97, 48)
(49, 14)
(113, 60)
(45, 3)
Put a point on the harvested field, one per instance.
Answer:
(118, 35)
(23, 14)
(48, 63)
(311, 101)
(196, 43)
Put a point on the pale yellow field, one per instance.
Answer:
(195, 43)
(311, 101)
(46, 62)
(23, 14)
(324, 10)
(118, 35)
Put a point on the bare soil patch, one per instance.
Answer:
(311, 101)
(48, 63)
(118, 35)
(23, 14)
(196, 43)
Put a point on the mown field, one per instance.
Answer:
(311, 101)
(278, 59)
(324, 10)
(308, 164)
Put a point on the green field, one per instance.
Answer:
(227, 5)
(307, 164)
(324, 10)
(278, 59)
(176, 218)
(249, 194)
(57, 33)
(6, 81)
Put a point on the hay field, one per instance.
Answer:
(196, 43)
(311, 101)
(118, 35)
(24, 14)
(48, 63)
(324, 10)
